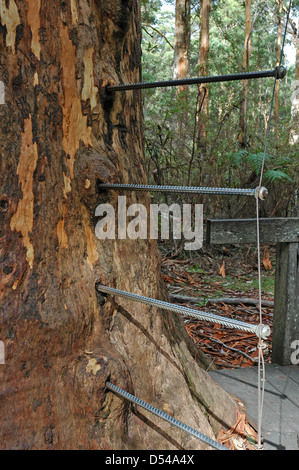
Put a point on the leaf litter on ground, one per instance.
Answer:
(226, 347)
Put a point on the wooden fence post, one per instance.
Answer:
(286, 303)
(284, 232)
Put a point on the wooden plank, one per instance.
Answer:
(243, 231)
(286, 304)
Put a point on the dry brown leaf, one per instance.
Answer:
(266, 259)
(236, 438)
(222, 270)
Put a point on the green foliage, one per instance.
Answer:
(174, 153)
(149, 10)
(277, 175)
(276, 169)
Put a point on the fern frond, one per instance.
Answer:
(277, 175)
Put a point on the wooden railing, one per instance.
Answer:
(284, 233)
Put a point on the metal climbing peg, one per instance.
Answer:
(261, 192)
(175, 422)
(279, 72)
(262, 331)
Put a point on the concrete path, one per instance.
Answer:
(280, 424)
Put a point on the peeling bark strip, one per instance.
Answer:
(75, 127)
(89, 91)
(34, 24)
(60, 134)
(75, 16)
(10, 18)
(22, 220)
(61, 235)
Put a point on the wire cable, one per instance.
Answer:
(261, 365)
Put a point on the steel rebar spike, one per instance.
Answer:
(261, 192)
(261, 331)
(175, 422)
(279, 72)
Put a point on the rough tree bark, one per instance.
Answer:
(60, 134)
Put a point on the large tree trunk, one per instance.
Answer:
(61, 133)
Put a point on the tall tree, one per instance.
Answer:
(182, 41)
(61, 133)
(181, 70)
(245, 83)
(295, 95)
(203, 91)
(278, 53)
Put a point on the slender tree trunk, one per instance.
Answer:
(245, 83)
(61, 133)
(203, 91)
(181, 71)
(278, 50)
(294, 134)
(182, 41)
(296, 39)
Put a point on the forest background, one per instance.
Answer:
(214, 135)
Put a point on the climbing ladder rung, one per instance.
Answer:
(169, 419)
(261, 192)
(279, 72)
(261, 331)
